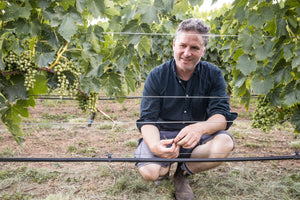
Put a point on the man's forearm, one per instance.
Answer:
(215, 123)
(151, 135)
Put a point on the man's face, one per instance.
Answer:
(188, 49)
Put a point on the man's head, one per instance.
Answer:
(189, 45)
(195, 25)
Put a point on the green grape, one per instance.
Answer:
(89, 103)
(23, 63)
(65, 84)
(92, 102)
(265, 116)
(82, 101)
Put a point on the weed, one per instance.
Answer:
(71, 149)
(104, 170)
(295, 144)
(87, 151)
(17, 196)
(106, 126)
(252, 145)
(131, 143)
(8, 152)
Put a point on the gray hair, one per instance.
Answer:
(196, 25)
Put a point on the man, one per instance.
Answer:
(184, 111)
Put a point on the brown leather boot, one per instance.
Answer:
(183, 190)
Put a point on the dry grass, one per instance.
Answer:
(59, 129)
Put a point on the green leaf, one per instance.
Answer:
(291, 94)
(13, 11)
(130, 79)
(96, 8)
(262, 85)
(40, 86)
(4, 105)
(43, 4)
(262, 52)
(240, 14)
(111, 84)
(287, 51)
(16, 89)
(255, 19)
(55, 16)
(69, 23)
(246, 65)
(296, 59)
(80, 5)
(144, 46)
(295, 119)
(90, 84)
(181, 6)
(12, 121)
(148, 13)
(98, 71)
(95, 36)
(43, 59)
(196, 2)
(248, 41)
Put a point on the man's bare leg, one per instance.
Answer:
(151, 172)
(219, 147)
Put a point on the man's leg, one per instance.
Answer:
(151, 172)
(219, 147)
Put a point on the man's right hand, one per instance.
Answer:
(166, 149)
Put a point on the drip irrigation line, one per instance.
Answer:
(109, 158)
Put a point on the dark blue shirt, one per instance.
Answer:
(166, 99)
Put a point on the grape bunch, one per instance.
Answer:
(87, 103)
(265, 116)
(92, 102)
(68, 76)
(24, 63)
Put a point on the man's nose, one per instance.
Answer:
(187, 52)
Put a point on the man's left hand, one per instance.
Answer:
(188, 137)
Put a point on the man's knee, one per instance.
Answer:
(150, 172)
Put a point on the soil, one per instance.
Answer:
(57, 128)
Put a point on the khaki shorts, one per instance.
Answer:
(143, 150)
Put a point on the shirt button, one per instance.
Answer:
(185, 112)
(186, 95)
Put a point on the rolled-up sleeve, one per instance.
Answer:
(150, 105)
(219, 99)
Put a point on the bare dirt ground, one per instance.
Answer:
(57, 128)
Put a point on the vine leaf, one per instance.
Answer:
(295, 119)
(96, 8)
(144, 46)
(262, 85)
(13, 11)
(15, 89)
(69, 24)
(246, 65)
(291, 94)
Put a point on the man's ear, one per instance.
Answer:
(203, 52)
(173, 44)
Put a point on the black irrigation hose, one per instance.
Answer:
(110, 159)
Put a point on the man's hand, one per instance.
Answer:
(188, 137)
(166, 149)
